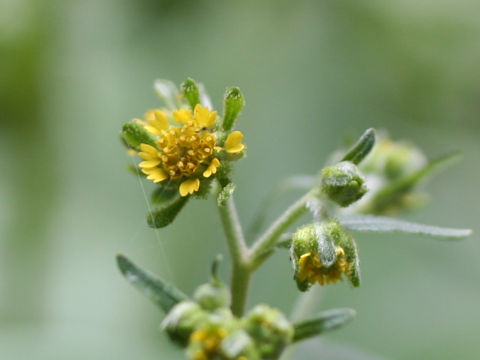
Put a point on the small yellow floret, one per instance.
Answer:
(155, 174)
(233, 144)
(203, 116)
(157, 121)
(212, 168)
(183, 116)
(312, 269)
(189, 187)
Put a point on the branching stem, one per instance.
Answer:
(245, 260)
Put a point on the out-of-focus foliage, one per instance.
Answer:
(72, 72)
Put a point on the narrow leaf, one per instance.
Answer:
(165, 215)
(361, 148)
(162, 294)
(385, 224)
(322, 322)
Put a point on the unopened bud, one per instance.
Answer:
(343, 183)
(270, 329)
(182, 321)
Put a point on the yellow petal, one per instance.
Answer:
(233, 144)
(149, 163)
(148, 149)
(147, 156)
(153, 130)
(189, 187)
(182, 116)
(203, 116)
(155, 174)
(158, 120)
(212, 168)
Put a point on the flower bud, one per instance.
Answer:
(343, 183)
(232, 105)
(191, 92)
(182, 321)
(220, 337)
(212, 296)
(270, 329)
(322, 253)
(403, 160)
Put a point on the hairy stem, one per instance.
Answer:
(240, 271)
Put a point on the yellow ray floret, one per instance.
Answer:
(212, 168)
(189, 187)
(155, 174)
(183, 116)
(202, 116)
(233, 144)
(157, 121)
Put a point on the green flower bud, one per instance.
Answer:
(343, 183)
(403, 160)
(270, 329)
(232, 105)
(212, 296)
(183, 320)
(323, 253)
(191, 92)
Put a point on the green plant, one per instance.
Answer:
(195, 158)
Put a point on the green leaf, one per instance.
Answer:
(385, 224)
(164, 193)
(162, 294)
(322, 322)
(191, 92)
(393, 193)
(162, 217)
(233, 103)
(134, 134)
(361, 148)
(168, 92)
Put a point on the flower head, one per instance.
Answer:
(187, 152)
(323, 253)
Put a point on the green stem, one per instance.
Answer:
(240, 284)
(240, 272)
(260, 250)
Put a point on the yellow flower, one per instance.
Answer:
(311, 268)
(233, 144)
(184, 153)
(209, 341)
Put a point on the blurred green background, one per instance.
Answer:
(71, 72)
